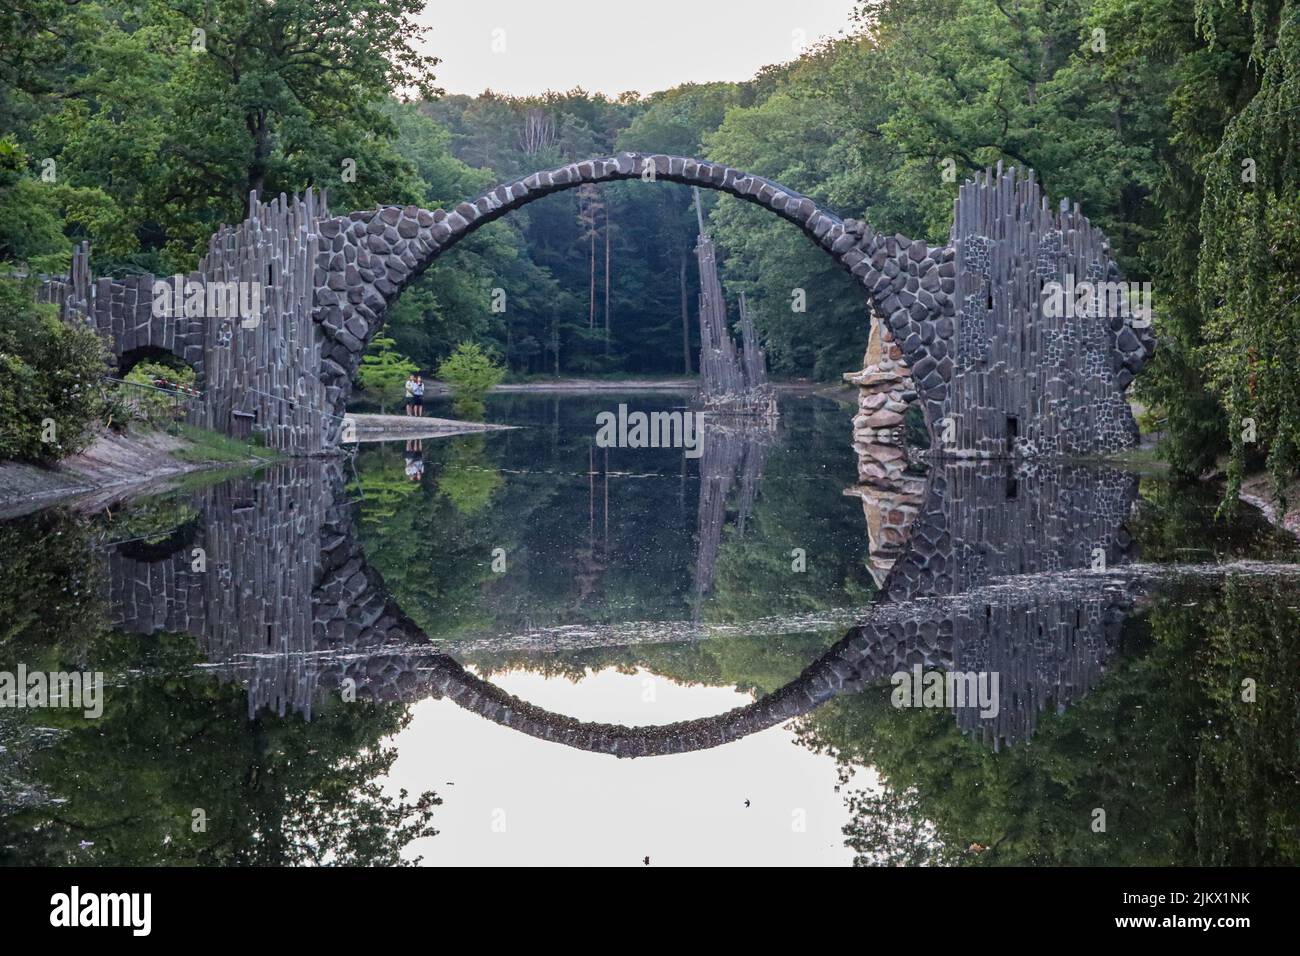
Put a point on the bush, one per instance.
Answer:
(50, 378)
(470, 372)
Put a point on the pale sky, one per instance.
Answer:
(524, 47)
(513, 799)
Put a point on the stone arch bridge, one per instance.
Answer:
(994, 376)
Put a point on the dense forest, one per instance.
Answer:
(142, 126)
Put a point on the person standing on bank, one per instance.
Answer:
(408, 389)
(418, 397)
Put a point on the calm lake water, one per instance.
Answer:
(517, 647)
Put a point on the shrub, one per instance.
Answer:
(470, 372)
(50, 378)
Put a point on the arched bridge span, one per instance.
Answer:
(367, 258)
(996, 372)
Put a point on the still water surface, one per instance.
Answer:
(447, 652)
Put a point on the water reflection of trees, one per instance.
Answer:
(50, 585)
(1186, 771)
(466, 478)
(600, 536)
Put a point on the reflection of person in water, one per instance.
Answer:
(414, 460)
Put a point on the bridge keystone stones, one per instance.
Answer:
(993, 376)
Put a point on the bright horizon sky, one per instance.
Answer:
(512, 799)
(523, 47)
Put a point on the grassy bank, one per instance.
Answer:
(201, 446)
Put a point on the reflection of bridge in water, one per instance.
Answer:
(993, 578)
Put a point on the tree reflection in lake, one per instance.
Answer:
(309, 594)
(184, 767)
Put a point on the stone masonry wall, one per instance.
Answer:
(1012, 380)
(261, 376)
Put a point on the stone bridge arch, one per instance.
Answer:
(366, 259)
(968, 334)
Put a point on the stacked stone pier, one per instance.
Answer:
(885, 391)
(1018, 362)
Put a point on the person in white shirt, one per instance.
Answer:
(409, 390)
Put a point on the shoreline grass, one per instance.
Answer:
(203, 447)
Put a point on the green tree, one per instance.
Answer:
(384, 370)
(180, 108)
(1250, 256)
(470, 372)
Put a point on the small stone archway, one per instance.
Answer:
(130, 358)
(366, 259)
(122, 312)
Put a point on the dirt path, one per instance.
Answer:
(113, 464)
